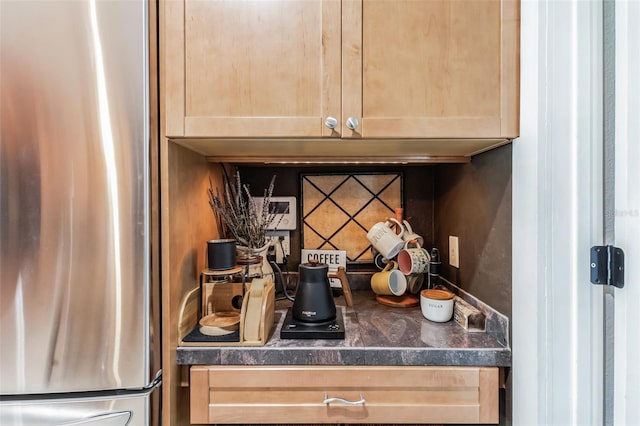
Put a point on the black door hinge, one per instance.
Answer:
(607, 266)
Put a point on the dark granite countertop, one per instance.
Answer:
(374, 335)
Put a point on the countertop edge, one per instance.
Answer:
(488, 357)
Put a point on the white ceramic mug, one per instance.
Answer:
(414, 260)
(384, 239)
(410, 236)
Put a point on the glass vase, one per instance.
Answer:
(262, 269)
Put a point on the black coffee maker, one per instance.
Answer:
(314, 314)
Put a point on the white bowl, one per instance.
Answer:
(436, 305)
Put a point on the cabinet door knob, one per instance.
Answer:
(331, 122)
(352, 123)
(328, 400)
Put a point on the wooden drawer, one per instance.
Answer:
(297, 394)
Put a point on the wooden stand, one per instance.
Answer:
(256, 315)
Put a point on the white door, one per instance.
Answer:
(626, 357)
(559, 213)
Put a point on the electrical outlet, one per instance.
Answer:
(454, 253)
(286, 246)
(281, 244)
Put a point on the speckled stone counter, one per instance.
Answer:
(374, 335)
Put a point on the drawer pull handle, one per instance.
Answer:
(328, 400)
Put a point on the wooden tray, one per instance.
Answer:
(404, 301)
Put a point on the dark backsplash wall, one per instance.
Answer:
(418, 193)
(473, 202)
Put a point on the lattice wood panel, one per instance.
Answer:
(339, 209)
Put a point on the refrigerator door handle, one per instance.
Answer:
(111, 419)
(157, 381)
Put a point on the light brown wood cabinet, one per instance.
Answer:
(340, 394)
(438, 69)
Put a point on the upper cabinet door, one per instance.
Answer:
(263, 68)
(431, 68)
(395, 69)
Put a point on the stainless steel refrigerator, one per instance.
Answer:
(78, 341)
